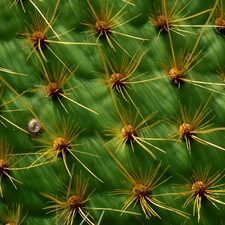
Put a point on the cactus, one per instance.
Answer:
(112, 112)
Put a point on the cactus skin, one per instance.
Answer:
(155, 93)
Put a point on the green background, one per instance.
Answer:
(159, 96)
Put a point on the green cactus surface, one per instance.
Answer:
(112, 112)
